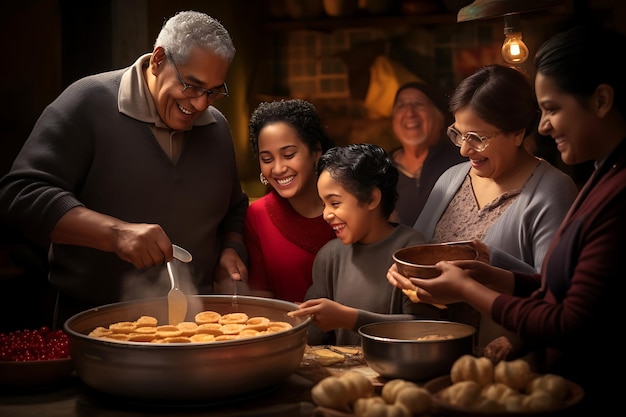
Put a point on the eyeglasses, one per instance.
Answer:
(193, 91)
(474, 140)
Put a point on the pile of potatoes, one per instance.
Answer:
(509, 386)
(353, 392)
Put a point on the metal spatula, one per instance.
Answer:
(176, 299)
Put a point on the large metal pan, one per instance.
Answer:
(183, 371)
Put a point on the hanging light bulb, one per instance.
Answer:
(514, 50)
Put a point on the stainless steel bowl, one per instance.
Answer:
(393, 350)
(183, 371)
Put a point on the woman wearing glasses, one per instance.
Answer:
(503, 196)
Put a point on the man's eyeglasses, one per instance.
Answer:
(193, 91)
(474, 140)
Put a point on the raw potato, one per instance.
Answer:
(327, 357)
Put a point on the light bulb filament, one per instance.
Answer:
(514, 50)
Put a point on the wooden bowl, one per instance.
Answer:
(419, 261)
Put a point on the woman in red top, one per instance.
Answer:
(285, 229)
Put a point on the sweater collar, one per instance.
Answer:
(134, 98)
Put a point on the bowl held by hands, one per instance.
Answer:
(419, 261)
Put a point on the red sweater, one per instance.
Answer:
(282, 245)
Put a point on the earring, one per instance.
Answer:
(263, 179)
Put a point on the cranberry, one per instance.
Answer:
(34, 345)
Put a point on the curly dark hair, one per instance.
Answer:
(299, 114)
(360, 168)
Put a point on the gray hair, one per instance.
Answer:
(188, 30)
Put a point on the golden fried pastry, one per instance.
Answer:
(202, 338)
(146, 321)
(230, 318)
(225, 337)
(207, 317)
(188, 328)
(123, 327)
(209, 326)
(168, 330)
(257, 323)
(248, 333)
(214, 329)
(412, 294)
(327, 357)
(176, 339)
(141, 337)
(100, 332)
(232, 328)
(278, 326)
(148, 330)
(117, 336)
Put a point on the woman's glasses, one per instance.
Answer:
(474, 140)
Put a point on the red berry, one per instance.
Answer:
(32, 345)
